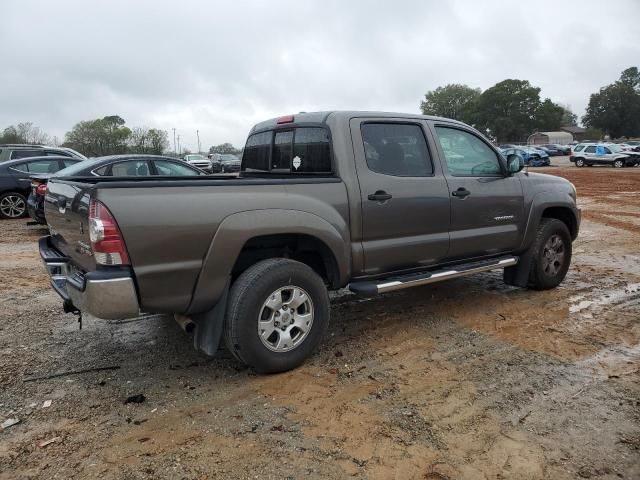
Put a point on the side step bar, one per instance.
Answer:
(374, 287)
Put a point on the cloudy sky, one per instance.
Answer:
(219, 67)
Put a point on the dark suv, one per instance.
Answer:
(16, 151)
(15, 181)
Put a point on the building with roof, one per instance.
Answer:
(577, 132)
(541, 138)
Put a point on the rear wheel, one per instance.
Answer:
(579, 162)
(277, 314)
(13, 205)
(618, 164)
(551, 254)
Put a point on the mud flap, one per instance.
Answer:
(518, 275)
(210, 325)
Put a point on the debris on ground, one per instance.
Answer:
(139, 398)
(10, 422)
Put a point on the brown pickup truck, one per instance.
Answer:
(369, 200)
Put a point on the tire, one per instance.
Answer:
(13, 205)
(618, 164)
(259, 302)
(548, 268)
(579, 162)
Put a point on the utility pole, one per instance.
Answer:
(174, 141)
(198, 135)
(179, 149)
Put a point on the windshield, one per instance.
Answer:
(615, 148)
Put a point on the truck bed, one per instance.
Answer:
(169, 226)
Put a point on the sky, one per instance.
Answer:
(221, 66)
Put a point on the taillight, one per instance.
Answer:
(41, 189)
(106, 241)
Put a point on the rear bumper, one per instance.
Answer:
(104, 294)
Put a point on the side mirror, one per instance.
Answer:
(515, 163)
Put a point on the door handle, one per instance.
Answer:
(461, 192)
(380, 196)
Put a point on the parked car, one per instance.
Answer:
(376, 201)
(504, 146)
(15, 183)
(216, 165)
(635, 144)
(110, 166)
(199, 161)
(531, 156)
(590, 154)
(543, 149)
(555, 149)
(230, 163)
(17, 151)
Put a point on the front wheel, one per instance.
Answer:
(579, 162)
(618, 164)
(551, 254)
(278, 312)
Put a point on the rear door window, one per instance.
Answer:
(25, 154)
(131, 168)
(43, 166)
(396, 149)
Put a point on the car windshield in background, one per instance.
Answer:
(295, 150)
(195, 157)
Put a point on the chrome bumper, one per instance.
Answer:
(103, 294)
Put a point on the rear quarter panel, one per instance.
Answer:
(169, 232)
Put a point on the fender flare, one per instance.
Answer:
(236, 229)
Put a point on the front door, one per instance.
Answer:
(486, 203)
(404, 196)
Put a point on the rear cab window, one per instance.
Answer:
(296, 150)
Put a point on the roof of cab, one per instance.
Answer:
(321, 117)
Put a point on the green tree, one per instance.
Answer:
(455, 101)
(508, 109)
(224, 148)
(569, 119)
(158, 141)
(103, 136)
(549, 116)
(615, 109)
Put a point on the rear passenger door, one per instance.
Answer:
(487, 207)
(404, 197)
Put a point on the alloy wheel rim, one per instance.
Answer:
(12, 206)
(553, 255)
(285, 319)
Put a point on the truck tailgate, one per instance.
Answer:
(67, 213)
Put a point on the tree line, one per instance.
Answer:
(512, 109)
(103, 136)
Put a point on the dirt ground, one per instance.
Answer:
(468, 379)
